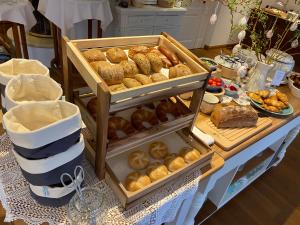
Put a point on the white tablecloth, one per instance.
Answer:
(65, 13)
(161, 207)
(17, 11)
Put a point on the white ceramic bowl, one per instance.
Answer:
(208, 103)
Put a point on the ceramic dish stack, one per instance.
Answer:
(29, 88)
(15, 67)
(47, 142)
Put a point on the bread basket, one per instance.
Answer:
(29, 88)
(15, 67)
(42, 129)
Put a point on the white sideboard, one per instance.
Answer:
(149, 20)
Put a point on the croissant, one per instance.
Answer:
(275, 103)
(263, 93)
(270, 108)
(255, 97)
(282, 97)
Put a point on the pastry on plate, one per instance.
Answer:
(130, 68)
(158, 150)
(135, 181)
(158, 77)
(115, 124)
(143, 119)
(156, 171)
(282, 97)
(271, 108)
(137, 49)
(143, 79)
(93, 55)
(143, 63)
(190, 154)
(117, 87)
(155, 61)
(116, 55)
(263, 93)
(255, 97)
(275, 103)
(111, 74)
(138, 160)
(179, 70)
(174, 162)
(130, 82)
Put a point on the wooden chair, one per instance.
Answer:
(18, 49)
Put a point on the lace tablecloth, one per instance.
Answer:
(65, 13)
(17, 11)
(160, 208)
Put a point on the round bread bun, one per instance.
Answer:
(174, 162)
(93, 55)
(135, 181)
(190, 154)
(157, 171)
(138, 160)
(158, 150)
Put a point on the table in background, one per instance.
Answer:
(64, 14)
(18, 15)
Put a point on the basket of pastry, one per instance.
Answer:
(134, 126)
(129, 67)
(275, 102)
(137, 172)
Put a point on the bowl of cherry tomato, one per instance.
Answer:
(214, 84)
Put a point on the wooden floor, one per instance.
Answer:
(274, 199)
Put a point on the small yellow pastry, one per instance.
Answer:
(138, 160)
(190, 155)
(158, 77)
(158, 150)
(157, 171)
(174, 162)
(282, 97)
(143, 79)
(130, 82)
(255, 97)
(155, 61)
(130, 68)
(275, 103)
(116, 55)
(93, 55)
(135, 181)
(143, 63)
(263, 93)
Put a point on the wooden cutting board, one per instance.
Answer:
(228, 138)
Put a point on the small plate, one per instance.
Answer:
(284, 112)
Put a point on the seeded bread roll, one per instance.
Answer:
(116, 55)
(130, 68)
(155, 61)
(143, 63)
(179, 70)
(137, 49)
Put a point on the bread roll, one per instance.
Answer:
(135, 181)
(174, 162)
(117, 87)
(116, 123)
(93, 55)
(143, 79)
(138, 160)
(158, 77)
(190, 155)
(231, 116)
(130, 68)
(158, 150)
(157, 171)
(142, 116)
(137, 49)
(98, 64)
(111, 74)
(179, 70)
(130, 83)
(155, 61)
(142, 62)
(116, 55)
(166, 62)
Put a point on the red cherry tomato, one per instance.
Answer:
(210, 82)
(219, 84)
(214, 84)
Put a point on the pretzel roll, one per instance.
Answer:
(190, 154)
(118, 123)
(174, 162)
(138, 160)
(164, 108)
(135, 181)
(158, 150)
(157, 171)
(142, 116)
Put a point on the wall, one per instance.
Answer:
(219, 34)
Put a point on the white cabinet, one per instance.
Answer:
(147, 21)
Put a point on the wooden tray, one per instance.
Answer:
(229, 138)
(117, 167)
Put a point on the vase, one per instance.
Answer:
(258, 76)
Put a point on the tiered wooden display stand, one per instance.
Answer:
(101, 152)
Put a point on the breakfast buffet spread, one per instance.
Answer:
(147, 104)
